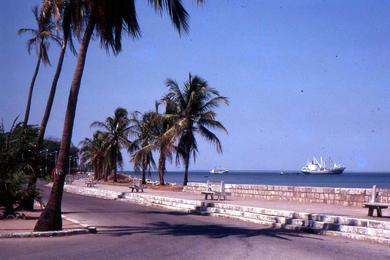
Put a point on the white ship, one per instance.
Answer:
(218, 171)
(322, 167)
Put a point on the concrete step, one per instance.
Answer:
(250, 215)
(257, 221)
(350, 221)
(263, 211)
(380, 240)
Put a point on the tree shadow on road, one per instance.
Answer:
(210, 231)
(171, 213)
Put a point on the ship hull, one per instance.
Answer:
(217, 171)
(325, 171)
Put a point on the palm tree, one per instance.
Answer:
(40, 40)
(144, 128)
(109, 19)
(93, 153)
(116, 130)
(194, 113)
(53, 8)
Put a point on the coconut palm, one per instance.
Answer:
(193, 113)
(144, 129)
(116, 130)
(109, 19)
(40, 41)
(62, 19)
(93, 153)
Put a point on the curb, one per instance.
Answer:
(47, 233)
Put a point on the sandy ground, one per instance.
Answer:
(26, 223)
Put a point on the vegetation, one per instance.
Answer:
(188, 112)
(93, 155)
(20, 162)
(108, 19)
(145, 130)
(115, 131)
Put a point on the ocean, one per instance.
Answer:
(291, 178)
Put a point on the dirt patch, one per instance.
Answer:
(177, 188)
(25, 222)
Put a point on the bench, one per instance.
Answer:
(373, 205)
(137, 186)
(90, 183)
(215, 189)
(69, 179)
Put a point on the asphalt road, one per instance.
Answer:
(129, 231)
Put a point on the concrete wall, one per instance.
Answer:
(339, 196)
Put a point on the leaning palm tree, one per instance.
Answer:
(193, 113)
(116, 130)
(62, 20)
(144, 129)
(41, 37)
(109, 19)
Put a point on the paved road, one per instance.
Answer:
(129, 231)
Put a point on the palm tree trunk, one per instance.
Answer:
(106, 173)
(50, 100)
(115, 171)
(27, 113)
(50, 218)
(143, 173)
(186, 166)
(115, 164)
(161, 167)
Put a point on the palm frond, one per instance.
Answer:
(211, 123)
(211, 137)
(99, 124)
(176, 11)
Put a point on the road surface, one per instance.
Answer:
(130, 231)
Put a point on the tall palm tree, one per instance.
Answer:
(116, 130)
(109, 19)
(144, 129)
(51, 7)
(40, 40)
(194, 113)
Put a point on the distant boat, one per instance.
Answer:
(218, 171)
(322, 167)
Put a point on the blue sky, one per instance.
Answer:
(304, 78)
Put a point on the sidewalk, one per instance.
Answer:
(313, 208)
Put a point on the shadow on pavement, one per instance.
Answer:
(171, 213)
(209, 231)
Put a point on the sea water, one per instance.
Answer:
(346, 180)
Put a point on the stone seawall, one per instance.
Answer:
(338, 196)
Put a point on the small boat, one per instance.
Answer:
(218, 171)
(322, 167)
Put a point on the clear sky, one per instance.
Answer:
(304, 78)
